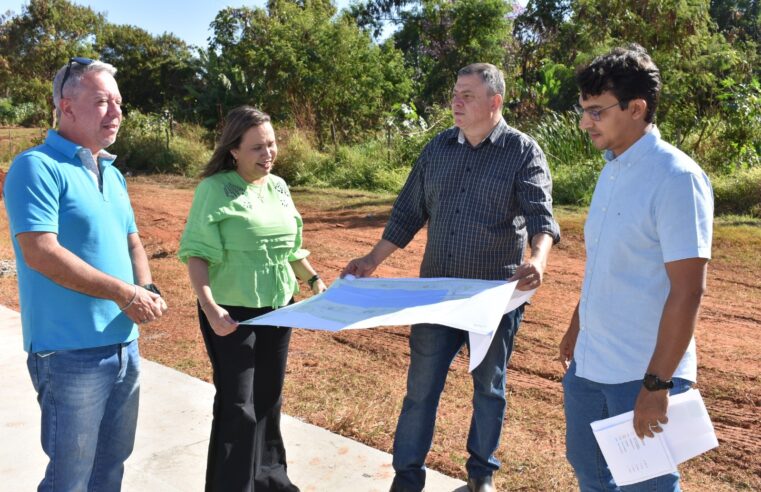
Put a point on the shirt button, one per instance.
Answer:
(612, 178)
(604, 209)
(457, 211)
(467, 169)
(462, 190)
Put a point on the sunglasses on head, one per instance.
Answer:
(77, 59)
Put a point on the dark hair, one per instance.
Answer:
(237, 122)
(629, 73)
(490, 75)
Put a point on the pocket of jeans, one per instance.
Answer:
(38, 366)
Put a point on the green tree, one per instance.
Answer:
(300, 62)
(154, 71)
(738, 19)
(37, 42)
(438, 37)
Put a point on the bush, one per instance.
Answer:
(739, 193)
(361, 166)
(20, 114)
(574, 184)
(297, 157)
(145, 144)
(574, 162)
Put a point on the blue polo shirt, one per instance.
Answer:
(49, 189)
(652, 205)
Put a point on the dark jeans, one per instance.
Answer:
(246, 451)
(432, 349)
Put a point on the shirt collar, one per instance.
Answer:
(70, 149)
(638, 148)
(493, 136)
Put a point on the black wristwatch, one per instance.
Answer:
(152, 288)
(651, 382)
(312, 280)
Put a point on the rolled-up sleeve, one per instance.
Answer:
(298, 253)
(201, 237)
(534, 195)
(409, 213)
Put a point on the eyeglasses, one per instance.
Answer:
(595, 113)
(76, 59)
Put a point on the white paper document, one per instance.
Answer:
(688, 433)
(356, 303)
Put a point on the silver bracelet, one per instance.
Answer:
(134, 296)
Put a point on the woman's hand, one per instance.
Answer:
(219, 319)
(318, 287)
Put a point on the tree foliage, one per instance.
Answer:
(298, 61)
(326, 74)
(438, 37)
(36, 43)
(154, 71)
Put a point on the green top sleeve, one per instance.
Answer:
(201, 237)
(248, 234)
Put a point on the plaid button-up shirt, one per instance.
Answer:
(481, 204)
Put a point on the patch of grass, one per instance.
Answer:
(14, 140)
(737, 240)
(739, 192)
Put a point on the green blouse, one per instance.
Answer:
(248, 234)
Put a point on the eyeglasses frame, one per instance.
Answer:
(595, 113)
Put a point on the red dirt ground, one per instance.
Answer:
(727, 337)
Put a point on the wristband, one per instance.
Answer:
(312, 280)
(134, 296)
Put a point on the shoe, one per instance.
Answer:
(395, 487)
(481, 484)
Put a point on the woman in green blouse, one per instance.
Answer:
(242, 245)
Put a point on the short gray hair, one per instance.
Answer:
(490, 75)
(76, 73)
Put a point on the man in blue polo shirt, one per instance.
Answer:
(84, 283)
(648, 241)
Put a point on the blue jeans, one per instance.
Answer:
(432, 349)
(586, 401)
(89, 401)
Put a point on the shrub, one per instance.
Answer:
(145, 144)
(297, 157)
(20, 114)
(574, 162)
(739, 193)
(574, 184)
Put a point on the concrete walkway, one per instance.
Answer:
(173, 436)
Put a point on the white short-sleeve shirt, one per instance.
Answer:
(652, 205)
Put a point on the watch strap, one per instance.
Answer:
(152, 288)
(651, 382)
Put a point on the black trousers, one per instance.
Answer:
(246, 451)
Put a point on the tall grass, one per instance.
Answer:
(739, 192)
(574, 162)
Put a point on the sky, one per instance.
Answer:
(187, 19)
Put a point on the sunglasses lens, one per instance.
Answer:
(82, 60)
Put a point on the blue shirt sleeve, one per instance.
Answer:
(32, 193)
(684, 217)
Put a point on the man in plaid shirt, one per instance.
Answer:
(484, 190)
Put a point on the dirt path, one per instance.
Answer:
(728, 334)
